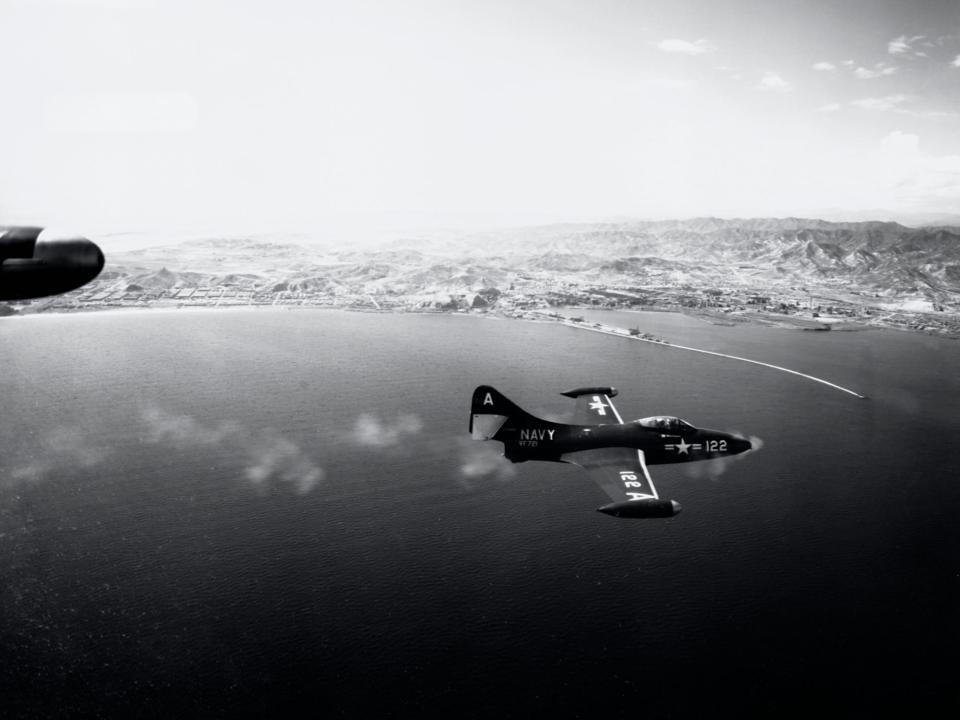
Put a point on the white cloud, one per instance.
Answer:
(824, 65)
(900, 142)
(878, 70)
(888, 102)
(829, 108)
(902, 45)
(697, 47)
(929, 114)
(956, 62)
(896, 103)
(914, 176)
(849, 63)
(774, 83)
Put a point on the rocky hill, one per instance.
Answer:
(880, 258)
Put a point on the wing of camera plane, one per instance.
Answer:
(37, 263)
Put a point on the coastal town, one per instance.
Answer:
(799, 273)
(528, 297)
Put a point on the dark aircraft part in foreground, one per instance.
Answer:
(35, 263)
(642, 509)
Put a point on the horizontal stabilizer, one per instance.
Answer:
(485, 427)
(598, 390)
(642, 509)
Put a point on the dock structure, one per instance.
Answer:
(620, 332)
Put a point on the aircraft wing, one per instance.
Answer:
(623, 475)
(621, 472)
(594, 406)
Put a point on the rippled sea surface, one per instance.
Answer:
(233, 513)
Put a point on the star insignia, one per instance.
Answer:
(598, 405)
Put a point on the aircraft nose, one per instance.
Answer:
(739, 445)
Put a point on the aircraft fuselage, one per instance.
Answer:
(551, 442)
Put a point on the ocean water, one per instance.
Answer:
(244, 512)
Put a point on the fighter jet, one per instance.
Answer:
(614, 453)
(35, 262)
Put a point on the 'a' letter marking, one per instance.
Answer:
(488, 400)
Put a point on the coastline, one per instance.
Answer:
(755, 319)
(628, 335)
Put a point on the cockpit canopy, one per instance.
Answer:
(666, 424)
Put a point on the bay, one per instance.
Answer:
(240, 512)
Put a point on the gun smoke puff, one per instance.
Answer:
(184, 431)
(714, 469)
(370, 431)
(275, 458)
(482, 461)
(269, 457)
(62, 449)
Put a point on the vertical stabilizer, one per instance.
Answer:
(493, 416)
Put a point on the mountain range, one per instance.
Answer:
(880, 258)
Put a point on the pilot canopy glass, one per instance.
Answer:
(666, 424)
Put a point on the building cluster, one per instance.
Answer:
(524, 297)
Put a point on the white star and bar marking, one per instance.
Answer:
(598, 405)
(683, 447)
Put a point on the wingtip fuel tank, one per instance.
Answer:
(593, 390)
(642, 509)
(35, 262)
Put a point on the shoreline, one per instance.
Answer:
(722, 320)
(540, 317)
(625, 334)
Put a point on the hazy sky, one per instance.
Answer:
(235, 115)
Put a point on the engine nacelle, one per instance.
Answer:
(598, 390)
(37, 263)
(642, 509)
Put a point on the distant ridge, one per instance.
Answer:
(872, 257)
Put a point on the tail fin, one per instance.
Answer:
(490, 410)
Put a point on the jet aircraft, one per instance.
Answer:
(35, 262)
(614, 453)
